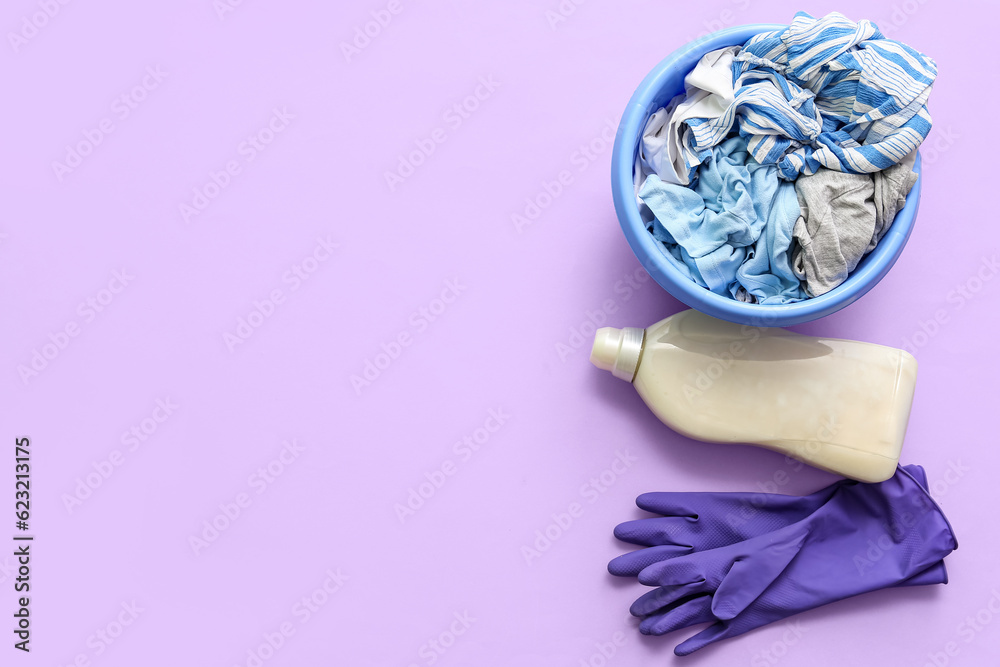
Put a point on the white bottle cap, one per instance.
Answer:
(618, 351)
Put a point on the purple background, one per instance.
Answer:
(508, 339)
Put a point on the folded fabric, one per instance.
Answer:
(732, 228)
(822, 558)
(843, 217)
(665, 147)
(831, 93)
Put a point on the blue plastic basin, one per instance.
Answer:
(663, 83)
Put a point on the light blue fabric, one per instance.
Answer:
(732, 228)
(823, 93)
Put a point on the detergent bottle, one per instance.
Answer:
(838, 405)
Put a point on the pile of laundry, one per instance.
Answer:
(785, 160)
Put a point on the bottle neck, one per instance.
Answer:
(618, 351)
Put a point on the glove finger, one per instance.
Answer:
(631, 564)
(712, 633)
(690, 612)
(686, 569)
(751, 575)
(672, 503)
(660, 599)
(654, 532)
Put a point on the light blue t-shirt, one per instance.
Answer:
(732, 228)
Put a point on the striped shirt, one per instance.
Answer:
(823, 93)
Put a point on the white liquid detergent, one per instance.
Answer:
(838, 405)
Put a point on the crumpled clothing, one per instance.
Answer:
(831, 93)
(891, 188)
(665, 148)
(843, 217)
(821, 93)
(731, 231)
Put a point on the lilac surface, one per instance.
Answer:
(513, 339)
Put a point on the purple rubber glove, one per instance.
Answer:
(865, 537)
(698, 521)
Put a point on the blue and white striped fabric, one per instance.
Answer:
(823, 93)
